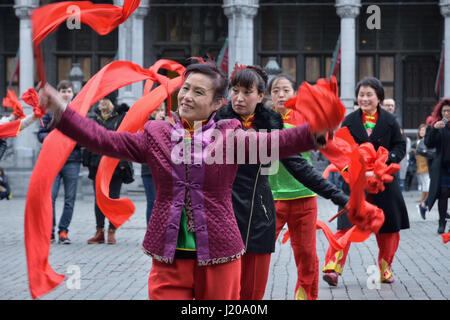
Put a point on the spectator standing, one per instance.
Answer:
(438, 136)
(69, 172)
(423, 176)
(107, 117)
(389, 105)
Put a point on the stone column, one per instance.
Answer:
(240, 14)
(348, 10)
(131, 48)
(445, 11)
(26, 144)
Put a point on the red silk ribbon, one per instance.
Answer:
(11, 101)
(103, 18)
(354, 234)
(31, 97)
(319, 105)
(10, 129)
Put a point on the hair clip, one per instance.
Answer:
(200, 59)
(237, 67)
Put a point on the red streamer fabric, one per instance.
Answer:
(376, 162)
(314, 104)
(319, 105)
(10, 129)
(11, 101)
(339, 150)
(31, 97)
(354, 234)
(103, 18)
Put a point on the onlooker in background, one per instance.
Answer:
(147, 179)
(69, 172)
(389, 105)
(5, 190)
(108, 117)
(423, 176)
(438, 136)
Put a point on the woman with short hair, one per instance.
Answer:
(370, 123)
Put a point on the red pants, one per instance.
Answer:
(254, 275)
(300, 216)
(387, 244)
(185, 280)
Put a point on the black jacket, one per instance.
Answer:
(439, 139)
(386, 134)
(253, 202)
(124, 169)
(44, 130)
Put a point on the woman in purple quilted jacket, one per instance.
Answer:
(192, 236)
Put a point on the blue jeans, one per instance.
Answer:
(69, 175)
(149, 194)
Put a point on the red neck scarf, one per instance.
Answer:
(369, 121)
(247, 122)
(190, 128)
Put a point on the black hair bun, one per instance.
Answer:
(260, 71)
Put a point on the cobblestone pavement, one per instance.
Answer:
(421, 266)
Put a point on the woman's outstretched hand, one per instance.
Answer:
(50, 99)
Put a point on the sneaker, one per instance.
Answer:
(331, 278)
(422, 210)
(63, 238)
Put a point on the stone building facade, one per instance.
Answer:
(400, 42)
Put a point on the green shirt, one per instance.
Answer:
(186, 239)
(284, 186)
